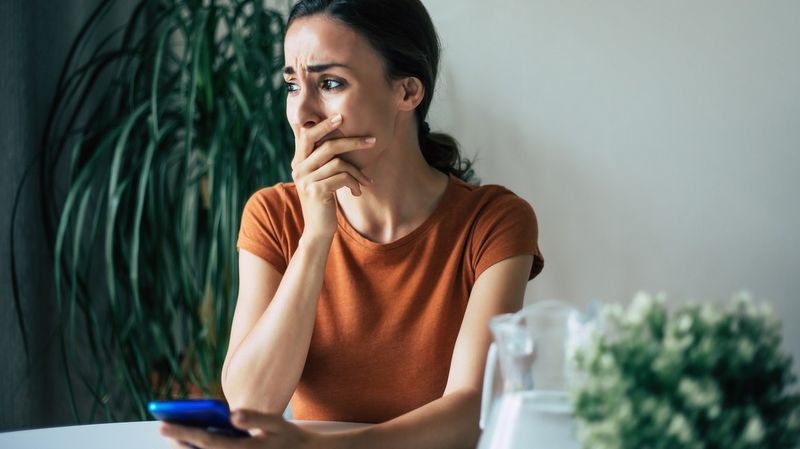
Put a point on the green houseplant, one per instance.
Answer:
(698, 376)
(158, 134)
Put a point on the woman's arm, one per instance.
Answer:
(261, 368)
(274, 317)
(452, 421)
(448, 422)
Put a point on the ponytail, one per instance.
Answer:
(441, 152)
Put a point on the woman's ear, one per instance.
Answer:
(410, 93)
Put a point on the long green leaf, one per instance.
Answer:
(115, 192)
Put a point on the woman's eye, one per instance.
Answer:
(328, 85)
(331, 84)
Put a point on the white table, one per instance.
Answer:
(127, 435)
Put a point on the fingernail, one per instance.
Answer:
(370, 140)
(336, 118)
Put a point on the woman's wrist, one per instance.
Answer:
(340, 440)
(316, 241)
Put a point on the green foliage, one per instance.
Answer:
(697, 377)
(189, 122)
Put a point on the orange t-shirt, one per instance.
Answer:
(389, 314)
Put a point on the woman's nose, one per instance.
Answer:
(303, 111)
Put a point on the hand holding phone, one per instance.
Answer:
(209, 414)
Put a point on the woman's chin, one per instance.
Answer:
(360, 159)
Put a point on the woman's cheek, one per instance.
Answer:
(336, 104)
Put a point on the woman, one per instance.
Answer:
(366, 285)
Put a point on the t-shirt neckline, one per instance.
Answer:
(350, 232)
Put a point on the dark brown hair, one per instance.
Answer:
(402, 32)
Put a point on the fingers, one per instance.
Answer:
(323, 173)
(178, 445)
(335, 166)
(308, 137)
(323, 190)
(340, 180)
(324, 163)
(199, 438)
(334, 147)
(328, 150)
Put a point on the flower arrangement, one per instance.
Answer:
(699, 376)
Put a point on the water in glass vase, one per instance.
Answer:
(531, 420)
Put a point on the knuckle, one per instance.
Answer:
(315, 189)
(302, 187)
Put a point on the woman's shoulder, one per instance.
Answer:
(278, 190)
(282, 194)
(501, 225)
(488, 197)
(277, 205)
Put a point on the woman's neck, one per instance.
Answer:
(404, 193)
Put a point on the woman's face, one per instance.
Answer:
(330, 69)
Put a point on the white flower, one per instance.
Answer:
(754, 431)
(744, 302)
(743, 297)
(710, 314)
(611, 314)
(746, 349)
(641, 306)
(685, 323)
(674, 344)
(679, 427)
(624, 411)
(662, 414)
(699, 395)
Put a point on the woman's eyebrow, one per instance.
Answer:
(316, 68)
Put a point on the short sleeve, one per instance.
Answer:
(506, 228)
(258, 232)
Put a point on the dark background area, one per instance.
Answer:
(35, 36)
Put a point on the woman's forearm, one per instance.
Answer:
(264, 370)
(448, 422)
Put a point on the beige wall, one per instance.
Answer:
(659, 142)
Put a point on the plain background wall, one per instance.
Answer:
(659, 142)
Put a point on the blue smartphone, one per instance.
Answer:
(209, 414)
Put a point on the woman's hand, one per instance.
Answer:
(318, 173)
(268, 432)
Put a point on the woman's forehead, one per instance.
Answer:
(321, 40)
